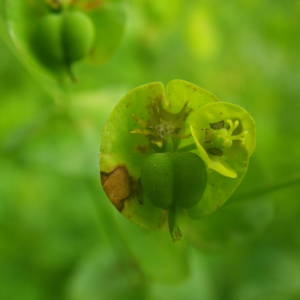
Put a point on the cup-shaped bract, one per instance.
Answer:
(218, 129)
(148, 120)
(152, 147)
(225, 137)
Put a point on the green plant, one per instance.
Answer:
(174, 152)
(51, 206)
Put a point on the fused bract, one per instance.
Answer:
(219, 129)
(173, 151)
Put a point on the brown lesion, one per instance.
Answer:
(118, 186)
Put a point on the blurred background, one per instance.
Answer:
(59, 236)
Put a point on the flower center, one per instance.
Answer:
(163, 129)
(222, 135)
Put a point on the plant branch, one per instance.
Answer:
(267, 189)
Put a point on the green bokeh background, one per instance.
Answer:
(59, 236)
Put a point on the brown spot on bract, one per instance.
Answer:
(117, 186)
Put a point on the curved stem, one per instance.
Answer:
(174, 230)
(16, 139)
(22, 135)
(267, 189)
(106, 221)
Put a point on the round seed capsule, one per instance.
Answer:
(77, 36)
(46, 41)
(60, 39)
(173, 179)
(190, 178)
(157, 180)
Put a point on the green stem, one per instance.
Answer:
(106, 221)
(16, 140)
(109, 228)
(168, 145)
(71, 73)
(174, 230)
(267, 189)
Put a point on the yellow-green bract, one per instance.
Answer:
(159, 138)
